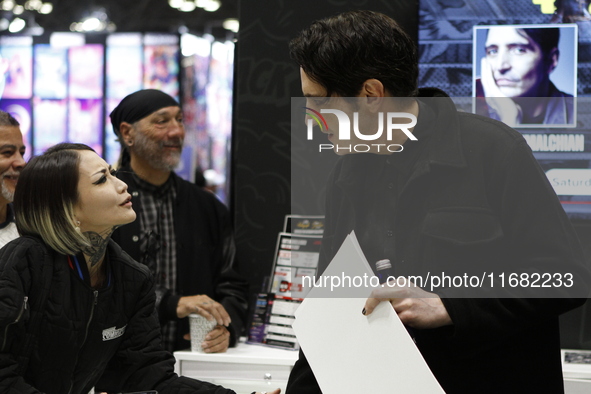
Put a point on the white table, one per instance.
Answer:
(244, 369)
(247, 368)
(577, 376)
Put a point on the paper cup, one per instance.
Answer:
(200, 327)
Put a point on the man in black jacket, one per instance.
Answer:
(183, 233)
(465, 196)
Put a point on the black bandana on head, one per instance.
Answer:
(138, 105)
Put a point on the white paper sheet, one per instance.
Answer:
(353, 353)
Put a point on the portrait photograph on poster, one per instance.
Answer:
(526, 74)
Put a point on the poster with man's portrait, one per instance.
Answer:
(526, 75)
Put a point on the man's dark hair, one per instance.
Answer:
(546, 37)
(7, 119)
(342, 52)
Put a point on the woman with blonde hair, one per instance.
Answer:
(76, 312)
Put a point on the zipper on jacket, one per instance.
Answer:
(18, 317)
(94, 303)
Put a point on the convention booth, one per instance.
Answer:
(237, 95)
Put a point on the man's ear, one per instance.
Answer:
(553, 60)
(125, 129)
(373, 88)
(373, 91)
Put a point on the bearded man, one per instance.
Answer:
(183, 233)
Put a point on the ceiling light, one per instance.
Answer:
(18, 10)
(33, 5)
(96, 21)
(212, 5)
(91, 24)
(201, 3)
(187, 6)
(8, 5)
(16, 25)
(231, 24)
(175, 3)
(46, 8)
(4, 23)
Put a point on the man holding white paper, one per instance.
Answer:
(463, 209)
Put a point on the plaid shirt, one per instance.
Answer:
(158, 242)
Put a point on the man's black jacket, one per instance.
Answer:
(474, 200)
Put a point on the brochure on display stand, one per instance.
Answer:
(296, 256)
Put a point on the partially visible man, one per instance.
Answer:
(183, 233)
(515, 77)
(465, 197)
(12, 150)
